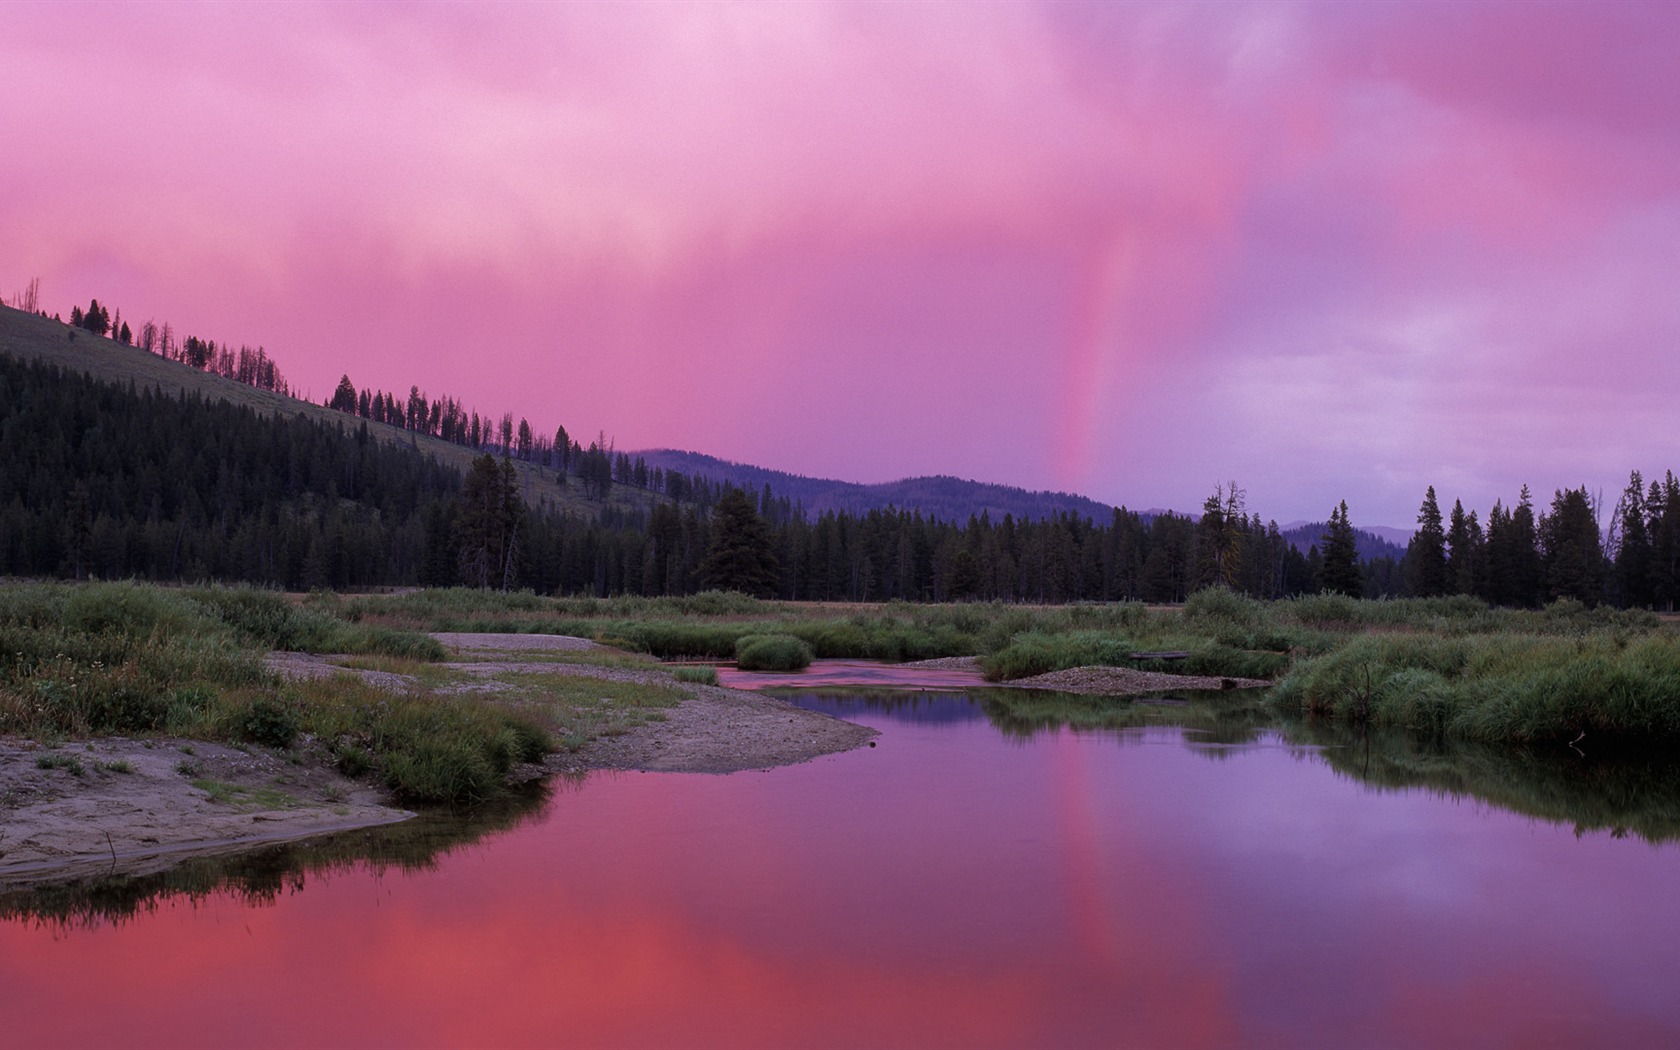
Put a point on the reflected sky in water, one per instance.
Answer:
(951, 886)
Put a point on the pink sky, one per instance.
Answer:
(1328, 250)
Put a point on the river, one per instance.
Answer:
(984, 876)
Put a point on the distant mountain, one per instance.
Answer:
(947, 498)
(1376, 541)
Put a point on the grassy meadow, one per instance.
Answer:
(127, 658)
(1444, 667)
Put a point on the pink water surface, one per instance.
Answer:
(949, 887)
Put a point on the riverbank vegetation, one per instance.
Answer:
(101, 659)
(122, 658)
(1446, 667)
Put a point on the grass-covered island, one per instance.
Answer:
(431, 696)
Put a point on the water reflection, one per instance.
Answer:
(1224, 717)
(863, 674)
(1624, 793)
(1086, 876)
(895, 704)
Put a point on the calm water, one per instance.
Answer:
(955, 885)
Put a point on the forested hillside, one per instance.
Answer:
(118, 462)
(114, 480)
(108, 481)
(177, 370)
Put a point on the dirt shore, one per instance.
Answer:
(714, 730)
(134, 806)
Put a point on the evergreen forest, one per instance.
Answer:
(111, 481)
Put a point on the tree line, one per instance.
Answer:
(597, 467)
(206, 490)
(1524, 558)
(251, 366)
(112, 481)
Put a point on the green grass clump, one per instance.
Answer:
(54, 760)
(424, 748)
(373, 640)
(772, 652)
(1037, 652)
(1228, 661)
(245, 798)
(1221, 606)
(704, 674)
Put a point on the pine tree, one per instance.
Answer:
(1426, 554)
(344, 396)
(1632, 547)
(487, 520)
(1339, 572)
(1525, 546)
(741, 556)
(1465, 553)
(1662, 518)
(1572, 556)
(1219, 538)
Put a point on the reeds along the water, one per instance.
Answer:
(1611, 687)
(131, 658)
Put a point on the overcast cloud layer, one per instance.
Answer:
(1330, 251)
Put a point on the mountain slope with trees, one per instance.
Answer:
(32, 337)
(121, 463)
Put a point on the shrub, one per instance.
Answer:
(1037, 652)
(703, 674)
(772, 652)
(269, 721)
(1221, 605)
(1224, 661)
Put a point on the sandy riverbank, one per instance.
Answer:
(714, 730)
(133, 806)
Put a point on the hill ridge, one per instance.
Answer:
(944, 496)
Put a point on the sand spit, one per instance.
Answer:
(1126, 681)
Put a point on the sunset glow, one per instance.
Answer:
(1333, 251)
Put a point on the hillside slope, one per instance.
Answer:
(31, 337)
